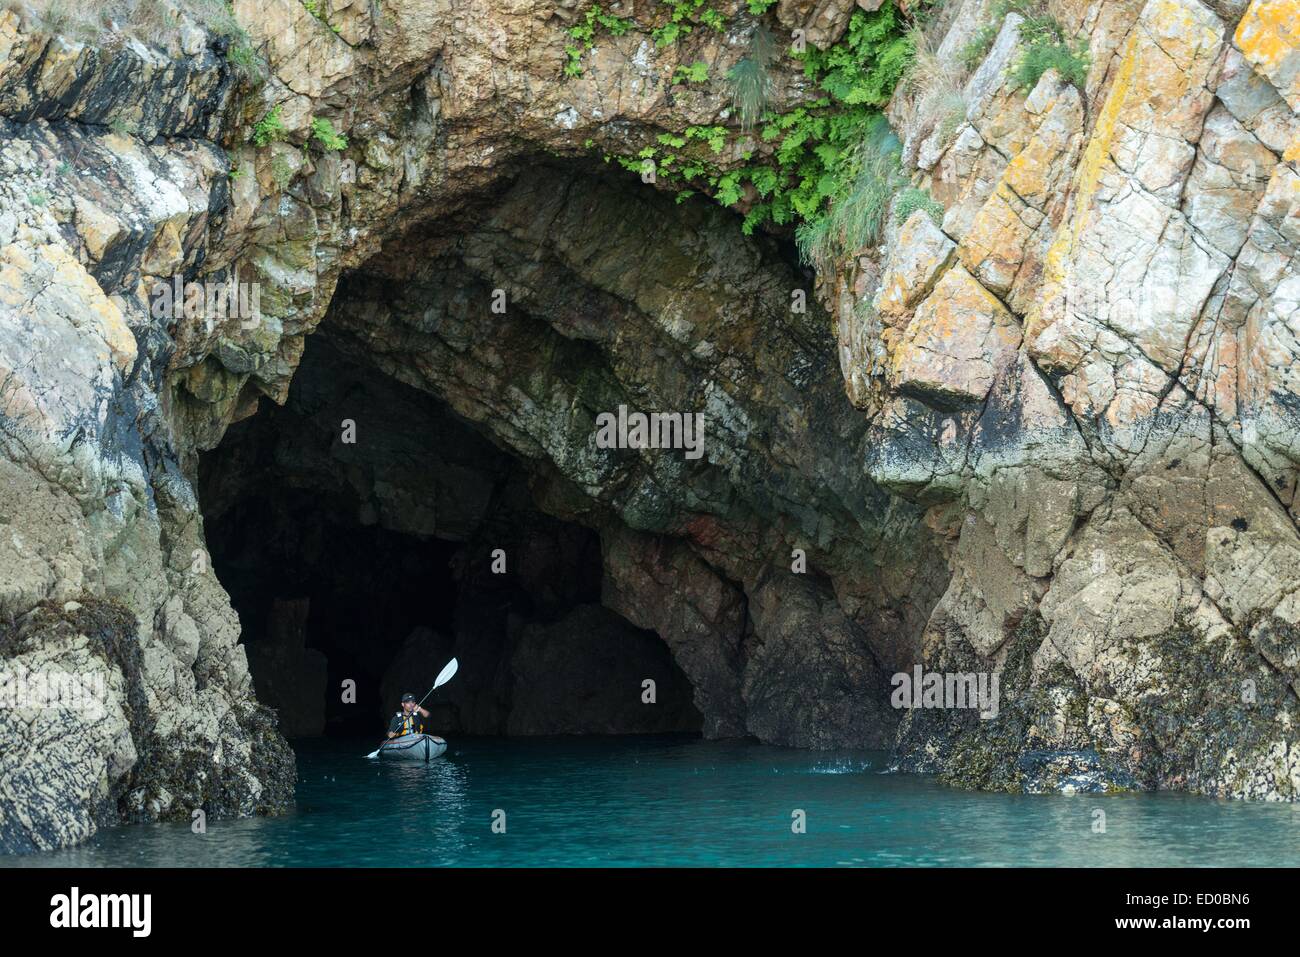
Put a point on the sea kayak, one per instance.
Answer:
(413, 747)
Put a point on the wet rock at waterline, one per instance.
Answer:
(114, 756)
(1045, 429)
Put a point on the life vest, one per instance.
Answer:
(412, 723)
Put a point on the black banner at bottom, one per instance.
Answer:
(321, 906)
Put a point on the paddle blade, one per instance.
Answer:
(447, 673)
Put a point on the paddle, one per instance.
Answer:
(445, 675)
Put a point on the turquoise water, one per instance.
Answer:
(677, 801)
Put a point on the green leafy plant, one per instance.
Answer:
(697, 72)
(324, 133)
(269, 128)
(829, 166)
(715, 136)
(1047, 51)
(683, 17)
(244, 60)
(219, 18)
(819, 147)
(931, 95)
(123, 127)
(584, 36)
(866, 65)
(981, 42)
(728, 188)
(314, 8)
(751, 85)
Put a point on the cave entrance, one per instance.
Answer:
(355, 530)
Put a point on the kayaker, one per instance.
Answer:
(410, 720)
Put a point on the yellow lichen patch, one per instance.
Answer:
(1159, 92)
(97, 229)
(59, 65)
(14, 265)
(1269, 37)
(166, 253)
(958, 342)
(1184, 32)
(10, 37)
(1027, 171)
(919, 255)
(998, 242)
(65, 288)
(1103, 134)
(107, 318)
(1055, 267)
(994, 247)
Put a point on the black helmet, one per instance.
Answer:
(408, 697)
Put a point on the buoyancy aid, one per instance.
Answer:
(412, 723)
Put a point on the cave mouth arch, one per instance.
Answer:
(366, 560)
(494, 336)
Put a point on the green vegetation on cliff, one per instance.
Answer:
(836, 146)
(751, 80)
(912, 199)
(1046, 45)
(584, 36)
(862, 186)
(326, 136)
(829, 166)
(269, 128)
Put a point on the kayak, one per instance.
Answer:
(413, 747)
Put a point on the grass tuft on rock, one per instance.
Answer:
(871, 175)
(751, 78)
(912, 199)
(1046, 45)
(153, 22)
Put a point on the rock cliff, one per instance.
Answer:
(1041, 422)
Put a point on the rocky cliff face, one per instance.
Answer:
(1092, 375)
(1046, 429)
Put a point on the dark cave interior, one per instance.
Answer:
(362, 561)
